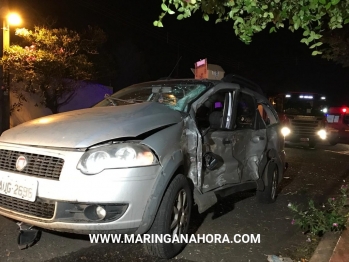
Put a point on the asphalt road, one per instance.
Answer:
(317, 174)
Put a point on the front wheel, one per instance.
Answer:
(269, 193)
(172, 218)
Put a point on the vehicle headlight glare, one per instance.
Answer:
(121, 155)
(322, 134)
(96, 161)
(145, 157)
(285, 131)
(126, 154)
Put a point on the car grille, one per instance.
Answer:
(38, 165)
(37, 209)
(304, 128)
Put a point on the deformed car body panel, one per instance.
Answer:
(241, 152)
(216, 142)
(170, 153)
(248, 148)
(276, 146)
(74, 129)
(192, 147)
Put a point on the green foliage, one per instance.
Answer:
(336, 49)
(331, 216)
(252, 16)
(51, 62)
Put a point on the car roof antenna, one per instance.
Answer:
(169, 77)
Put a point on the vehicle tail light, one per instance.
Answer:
(344, 110)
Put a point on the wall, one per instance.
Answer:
(86, 96)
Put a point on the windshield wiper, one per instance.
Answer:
(129, 101)
(107, 96)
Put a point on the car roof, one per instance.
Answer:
(244, 83)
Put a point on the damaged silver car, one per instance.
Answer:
(139, 160)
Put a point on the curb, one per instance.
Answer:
(333, 247)
(324, 250)
(341, 252)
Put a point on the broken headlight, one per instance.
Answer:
(121, 155)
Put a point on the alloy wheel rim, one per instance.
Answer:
(180, 214)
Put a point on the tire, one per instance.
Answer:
(172, 218)
(312, 144)
(333, 143)
(269, 194)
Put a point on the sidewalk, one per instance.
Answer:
(333, 248)
(341, 251)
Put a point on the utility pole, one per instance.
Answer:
(1, 106)
(5, 103)
(3, 91)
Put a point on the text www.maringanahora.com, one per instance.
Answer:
(167, 238)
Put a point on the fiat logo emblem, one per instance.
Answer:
(21, 163)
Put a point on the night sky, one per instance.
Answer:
(278, 61)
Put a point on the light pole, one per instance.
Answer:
(10, 19)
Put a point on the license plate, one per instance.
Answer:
(305, 139)
(22, 188)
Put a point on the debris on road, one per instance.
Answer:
(273, 258)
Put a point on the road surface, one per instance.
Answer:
(313, 173)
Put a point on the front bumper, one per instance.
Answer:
(60, 205)
(339, 136)
(302, 138)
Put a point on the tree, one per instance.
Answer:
(252, 16)
(338, 46)
(51, 63)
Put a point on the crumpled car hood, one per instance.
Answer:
(86, 127)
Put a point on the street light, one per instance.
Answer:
(10, 19)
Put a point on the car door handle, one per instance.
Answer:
(261, 138)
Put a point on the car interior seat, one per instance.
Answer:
(216, 119)
(216, 115)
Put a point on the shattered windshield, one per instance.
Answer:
(176, 95)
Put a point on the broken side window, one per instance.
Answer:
(246, 110)
(267, 115)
